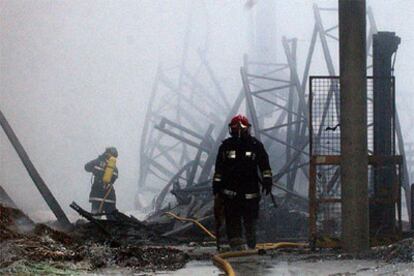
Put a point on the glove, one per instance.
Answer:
(267, 185)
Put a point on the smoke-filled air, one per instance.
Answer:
(129, 107)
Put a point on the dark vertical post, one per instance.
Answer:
(382, 220)
(353, 115)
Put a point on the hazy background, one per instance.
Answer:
(75, 77)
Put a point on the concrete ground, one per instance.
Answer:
(275, 263)
(265, 265)
(292, 262)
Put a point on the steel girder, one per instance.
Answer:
(276, 104)
(179, 113)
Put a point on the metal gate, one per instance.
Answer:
(325, 155)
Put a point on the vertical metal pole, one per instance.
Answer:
(312, 176)
(382, 220)
(353, 115)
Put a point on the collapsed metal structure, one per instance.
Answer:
(276, 101)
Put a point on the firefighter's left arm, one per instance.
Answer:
(264, 166)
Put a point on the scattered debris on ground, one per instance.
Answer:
(39, 248)
(401, 251)
(27, 248)
(196, 202)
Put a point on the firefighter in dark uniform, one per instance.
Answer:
(240, 160)
(104, 171)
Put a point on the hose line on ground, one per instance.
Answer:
(220, 261)
(196, 222)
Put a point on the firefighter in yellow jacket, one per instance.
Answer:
(104, 170)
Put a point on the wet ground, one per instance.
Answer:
(274, 263)
(267, 266)
(305, 262)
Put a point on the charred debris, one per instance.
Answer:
(177, 157)
(124, 243)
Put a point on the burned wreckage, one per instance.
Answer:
(196, 202)
(186, 121)
(281, 125)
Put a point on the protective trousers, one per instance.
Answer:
(237, 212)
(107, 208)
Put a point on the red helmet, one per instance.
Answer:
(239, 125)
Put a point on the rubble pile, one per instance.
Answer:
(138, 258)
(191, 202)
(87, 243)
(288, 220)
(153, 258)
(13, 222)
(121, 230)
(402, 251)
(22, 239)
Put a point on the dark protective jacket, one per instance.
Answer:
(238, 163)
(98, 190)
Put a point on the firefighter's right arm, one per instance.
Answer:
(93, 167)
(218, 173)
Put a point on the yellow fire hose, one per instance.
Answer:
(219, 259)
(196, 222)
